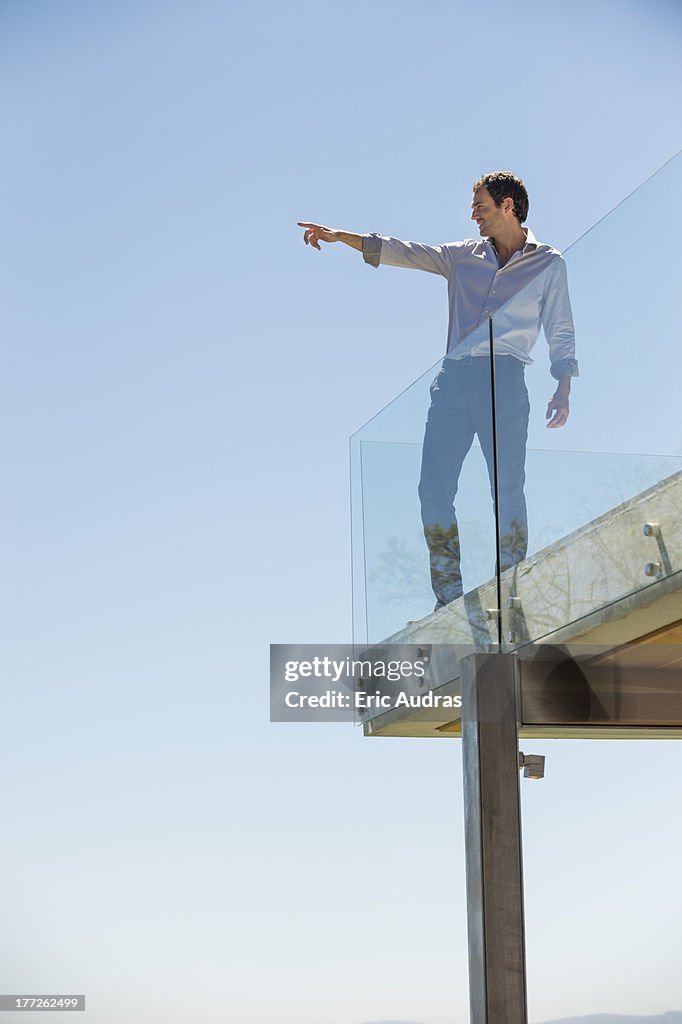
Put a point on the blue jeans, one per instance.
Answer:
(460, 409)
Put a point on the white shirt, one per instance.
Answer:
(529, 291)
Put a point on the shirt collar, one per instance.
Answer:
(530, 246)
(531, 241)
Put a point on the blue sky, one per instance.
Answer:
(180, 379)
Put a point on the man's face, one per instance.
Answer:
(488, 216)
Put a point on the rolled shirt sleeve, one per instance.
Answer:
(371, 249)
(557, 322)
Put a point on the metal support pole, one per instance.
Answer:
(497, 971)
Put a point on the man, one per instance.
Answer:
(505, 286)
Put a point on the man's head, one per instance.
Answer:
(509, 200)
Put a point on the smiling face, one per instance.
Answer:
(489, 217)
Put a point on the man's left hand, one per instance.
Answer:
(557, 409)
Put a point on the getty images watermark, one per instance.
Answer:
(339, 683)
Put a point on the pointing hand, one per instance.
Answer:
(316, 233)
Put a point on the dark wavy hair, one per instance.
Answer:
(501, 184)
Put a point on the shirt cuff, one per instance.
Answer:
(371, 249)
(564, 368)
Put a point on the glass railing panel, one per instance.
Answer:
(602, 528)
(604, 497)
(396, 562)
(384, 457)
(411, 556)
